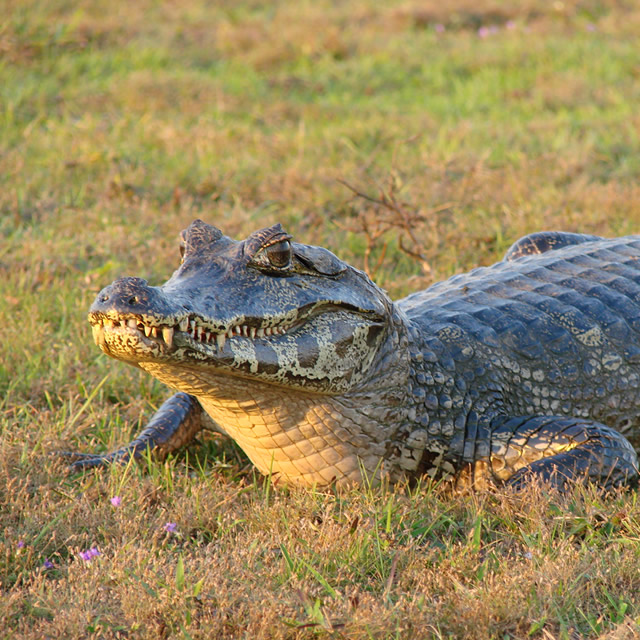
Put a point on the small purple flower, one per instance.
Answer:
(116, 501)
(510, 25)
(591, 27)
(170, 527)
(89, 553)
(20, 544)
(439, 28)
(485, 32)
(47, 564)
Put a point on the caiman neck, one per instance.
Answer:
(307, 438)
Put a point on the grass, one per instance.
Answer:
(119, 124)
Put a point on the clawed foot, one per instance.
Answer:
(82, 461)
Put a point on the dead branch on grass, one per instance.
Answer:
(386, 212)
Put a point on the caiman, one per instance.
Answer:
(529, 368)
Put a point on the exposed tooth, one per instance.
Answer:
(207, 336)
(238, 330)
(252, 332)
(108, 322)
(245, 330)
(267, 331)
(192, 324)
(132, 323)
(98, 334)
(147, 330)
(154, 332)
(167, 335)
(229, 333)
(184, 324)
(260, 332)
(220, 339)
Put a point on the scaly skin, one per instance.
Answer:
(529, 368)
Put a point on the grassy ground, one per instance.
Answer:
(119, 124)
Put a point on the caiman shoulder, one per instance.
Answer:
(527, 368)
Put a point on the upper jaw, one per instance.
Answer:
(101, 325)
(155, 332)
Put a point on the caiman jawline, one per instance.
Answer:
(201, 330)
(191, 326)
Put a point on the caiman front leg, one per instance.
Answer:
(559, 450)
(171, 427)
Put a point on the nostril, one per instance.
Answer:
(133, 300)
(104, 298)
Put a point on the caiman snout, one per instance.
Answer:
(126, 310)
(128, 295)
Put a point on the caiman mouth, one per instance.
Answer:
(194, 327)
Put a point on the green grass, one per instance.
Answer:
(119, 124)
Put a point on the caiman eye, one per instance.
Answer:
(270, 250)
(182, 248)
(279, 254)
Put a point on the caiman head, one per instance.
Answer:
(265, 308)
(297, 356)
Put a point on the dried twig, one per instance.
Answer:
(387, 212)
